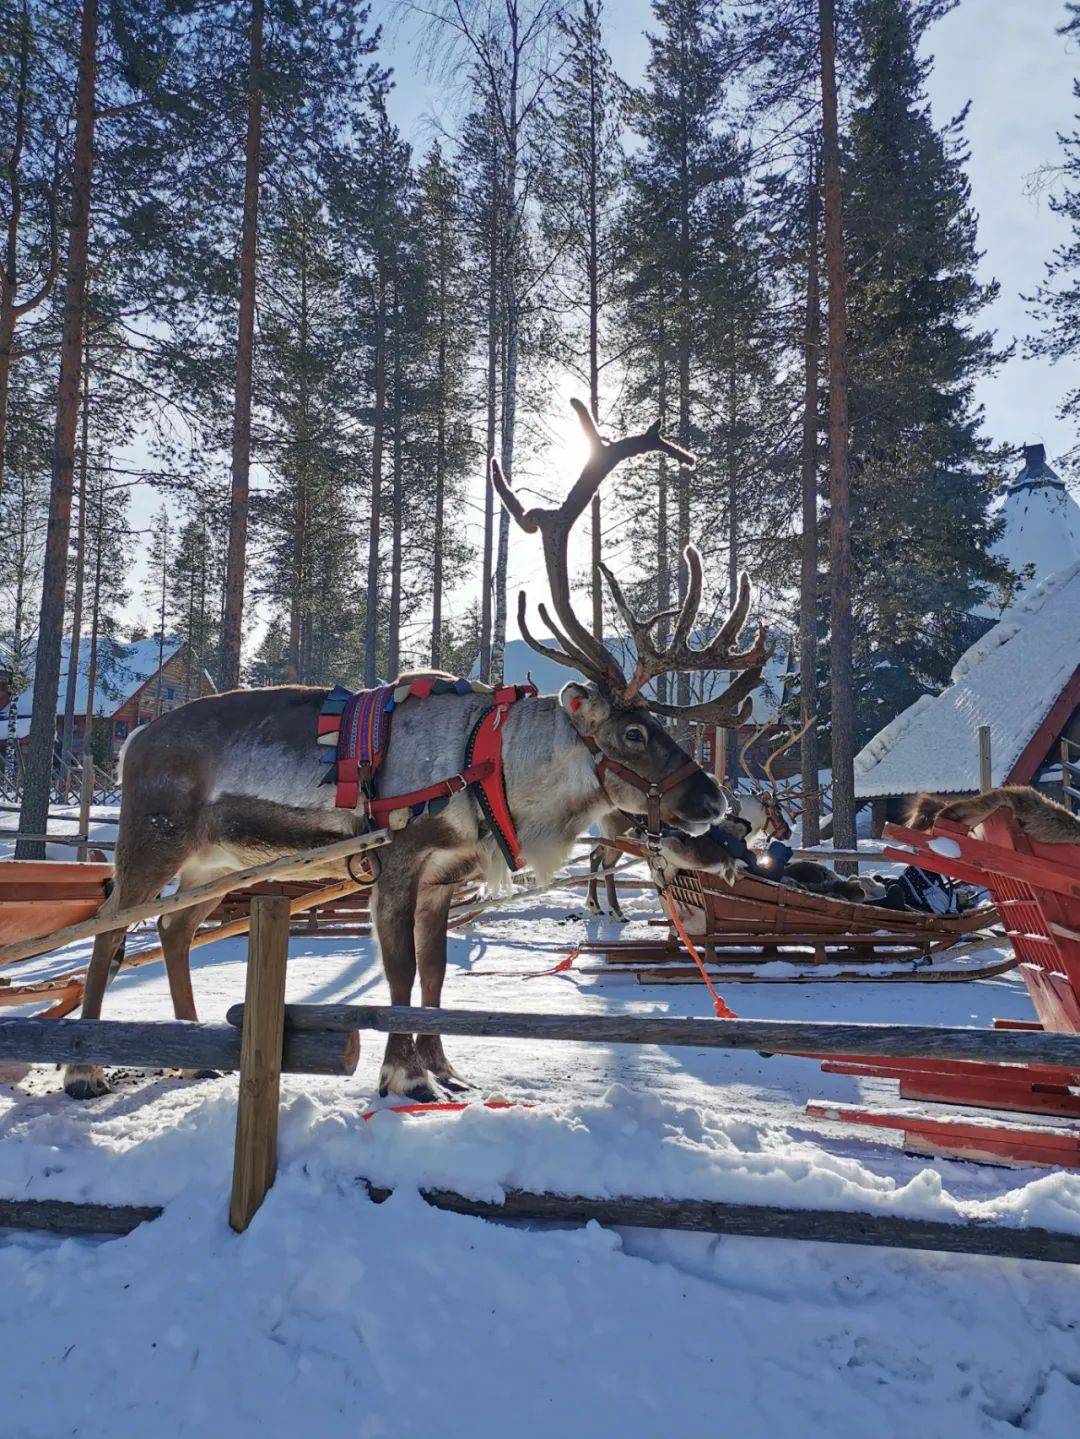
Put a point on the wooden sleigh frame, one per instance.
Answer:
(759, 921)
(1011, 1113)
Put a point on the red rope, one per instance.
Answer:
(722, 1008)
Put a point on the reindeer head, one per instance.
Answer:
(767, 810)
(642, 768)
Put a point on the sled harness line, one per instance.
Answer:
(720, 1005)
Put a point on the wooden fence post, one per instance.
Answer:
(986, 779)
(262, 1039)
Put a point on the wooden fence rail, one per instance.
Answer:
(771, 1036)
(166, 1044)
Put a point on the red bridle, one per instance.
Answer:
(653, 789)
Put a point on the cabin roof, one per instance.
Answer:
(1009, 680)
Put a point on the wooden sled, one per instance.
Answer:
(967, 1110)
(758, 921)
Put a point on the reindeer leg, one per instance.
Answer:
(393, 910)
(134, 884)
(432, 912)
(592, 904)
(176, 932)
(612, 893)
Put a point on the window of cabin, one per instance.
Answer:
(120, 729)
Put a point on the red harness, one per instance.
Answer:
(483, 771)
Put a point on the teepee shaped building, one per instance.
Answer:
(1042, 525)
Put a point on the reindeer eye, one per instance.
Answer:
(634, 734)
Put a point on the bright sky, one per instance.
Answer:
(1001, 55)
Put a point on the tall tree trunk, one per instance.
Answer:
(236, 564)
(18, 637)
(298, 597)
(808, 597)
(731, 737)
(840, 649)
(663, 561)
(9, 273)
(682, 476)
(511, 323)
(593, 264)
(493, 346)
(80, 574)
(371, 617)
(7, 343)
(393, 645)
(440, 452)
(34, 813)
(86, 794)
(164, 598)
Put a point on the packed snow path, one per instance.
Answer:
(340, 1317)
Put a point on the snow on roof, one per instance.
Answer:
(122, 669)
(1008, 680)
(520, 661)
(1042, 524)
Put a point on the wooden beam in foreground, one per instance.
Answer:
(172, 1044)
(768, 1036)
(63, 1216)
(294, 865)
(255, 1159)
(767, 1222)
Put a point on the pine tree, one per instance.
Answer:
(920, 490)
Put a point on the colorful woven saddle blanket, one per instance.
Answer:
(354, 732)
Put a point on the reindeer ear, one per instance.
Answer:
(585, 705)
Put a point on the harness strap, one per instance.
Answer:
(484, 748)
(381, 809)
(653, 790)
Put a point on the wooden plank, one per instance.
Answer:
(123, 918)
(62, 1216)
(980, 1136)
(980, 855)
(775, 1036)
(986, 769)
(765, 1222)
(231, 928)
(172, 1044)
(255, 1158)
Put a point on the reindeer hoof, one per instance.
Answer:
(82, 1082)
(455, 1084)
(618, 914)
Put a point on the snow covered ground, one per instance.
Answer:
(334, 1316)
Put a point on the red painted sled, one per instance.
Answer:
(1036, 889)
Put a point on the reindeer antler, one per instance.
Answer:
(730, 708)
(579, 649)
(794, 737)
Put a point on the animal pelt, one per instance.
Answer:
(1040, 818)
(817, 878)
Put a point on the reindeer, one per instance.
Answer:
(229, 780)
